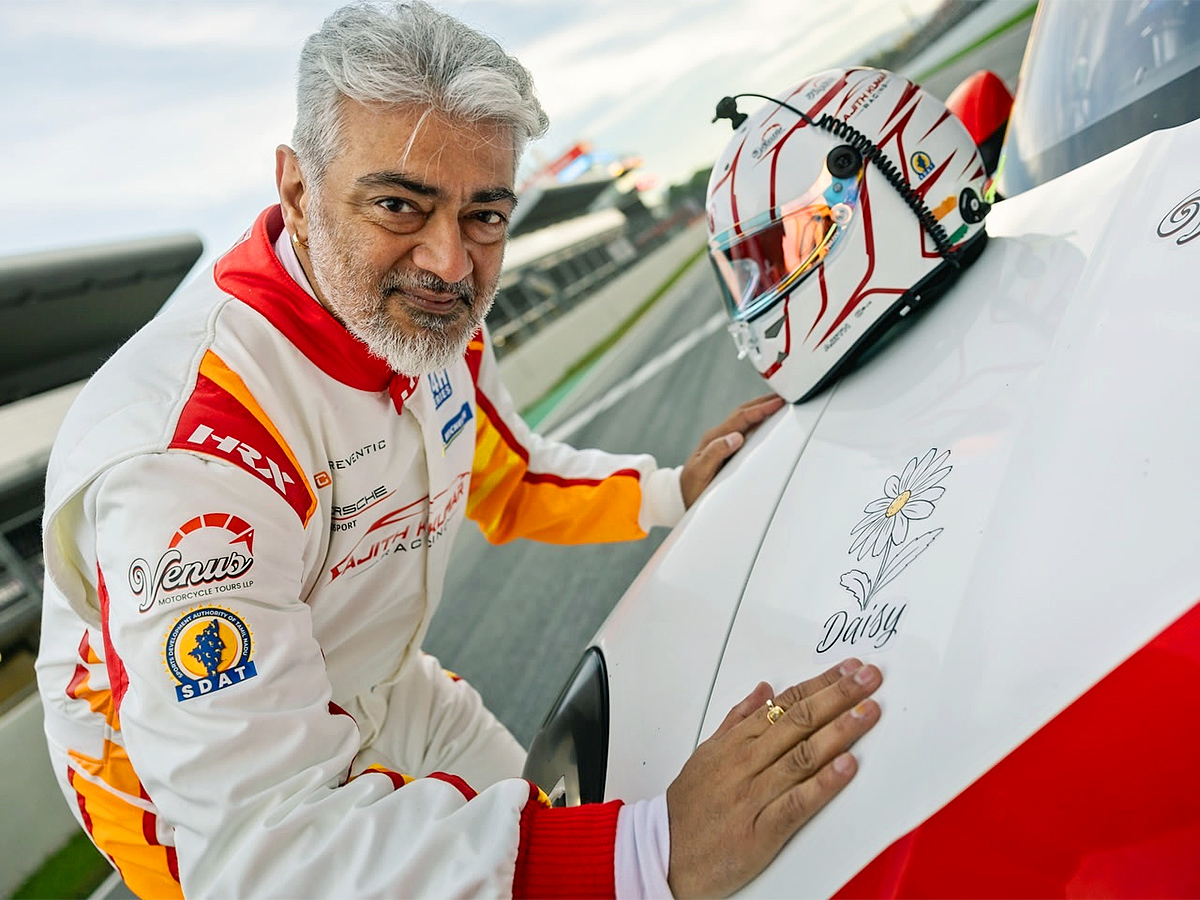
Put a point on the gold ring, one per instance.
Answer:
(774, 712)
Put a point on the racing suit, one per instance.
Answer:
(247, 526)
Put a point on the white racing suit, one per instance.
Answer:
(247, 527)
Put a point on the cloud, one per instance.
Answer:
(123, 107)
(135, 24)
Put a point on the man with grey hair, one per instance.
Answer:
(249, 517)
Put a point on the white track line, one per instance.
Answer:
(111, 883)
(638, 378)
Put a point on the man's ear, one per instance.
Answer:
(293, 192)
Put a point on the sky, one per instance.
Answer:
(133, 118)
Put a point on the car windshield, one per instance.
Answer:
(1097, 76)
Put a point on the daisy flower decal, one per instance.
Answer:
(908, 497)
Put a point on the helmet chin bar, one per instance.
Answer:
(859, 142)
(908, 308)
(744, 339)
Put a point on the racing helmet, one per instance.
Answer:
(837, 209)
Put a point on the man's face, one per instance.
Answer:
(406, 232)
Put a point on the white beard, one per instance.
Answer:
(358, 298)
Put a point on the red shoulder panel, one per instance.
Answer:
(217, 422)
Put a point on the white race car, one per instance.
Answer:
(999, 506)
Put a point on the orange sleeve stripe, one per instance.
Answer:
(508, 501)
(126, 835)
(498, 423)
(548, 478)
(79, 688)
(114, 769)
(505, 434)
(214, 368)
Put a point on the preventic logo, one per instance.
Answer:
(454, 427)
(208, 650)
(205, 556)
(439, 384)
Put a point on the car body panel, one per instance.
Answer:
(668, 643)
(1060, 373)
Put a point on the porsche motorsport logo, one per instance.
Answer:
(207, 650)
(207, 555)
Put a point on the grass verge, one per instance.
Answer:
(73, 872)
(1016, 18)
(539, 409)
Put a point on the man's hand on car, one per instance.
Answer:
(720, 443)
(768, 769)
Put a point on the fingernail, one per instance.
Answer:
(844, 764)
(733, 440)
(860, 711)
(864, 675)
(849, 666)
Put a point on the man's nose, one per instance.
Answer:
(441, 250)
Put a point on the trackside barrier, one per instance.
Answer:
(36, 819)
(540, 362)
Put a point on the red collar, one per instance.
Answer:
(251, 272)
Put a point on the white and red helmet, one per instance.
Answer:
(835, 210)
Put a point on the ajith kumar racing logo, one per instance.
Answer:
(207, 650)
(205, 556)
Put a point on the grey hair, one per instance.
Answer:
(406, 54)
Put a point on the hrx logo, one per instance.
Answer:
(270, 470)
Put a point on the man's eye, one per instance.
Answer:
(491, 217)
(396, 205)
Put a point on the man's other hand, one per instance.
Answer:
(720, 443)
(754, 783)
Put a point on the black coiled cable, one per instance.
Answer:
(727, 109)
(869, 151)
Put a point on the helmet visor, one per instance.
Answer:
(761, 259)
